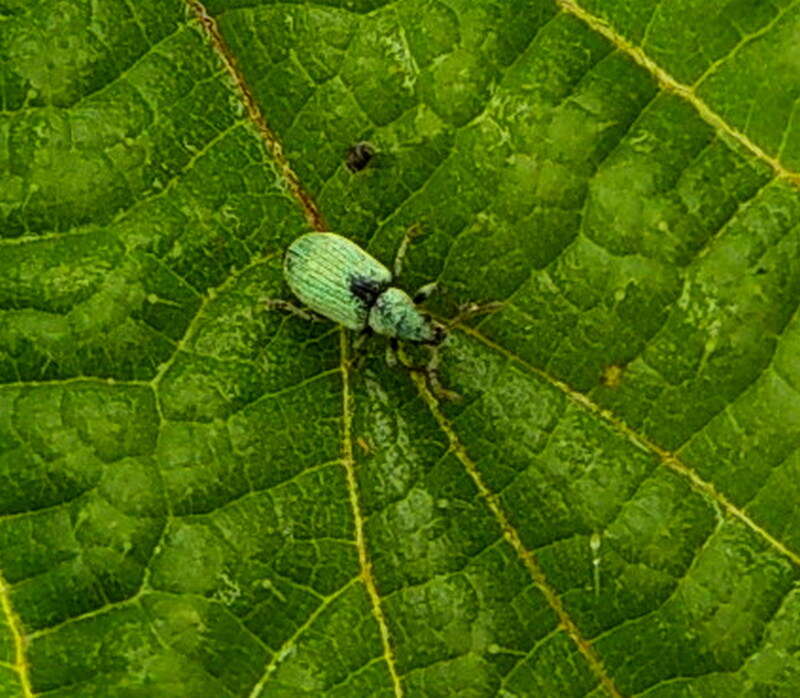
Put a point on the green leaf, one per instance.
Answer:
(199, 497)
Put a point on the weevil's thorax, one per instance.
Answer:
(394, 315)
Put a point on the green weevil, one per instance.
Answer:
(337, 279)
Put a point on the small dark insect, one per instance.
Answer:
(358, 156)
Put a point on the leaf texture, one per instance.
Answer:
(200, 497)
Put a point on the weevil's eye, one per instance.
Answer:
(358, 156)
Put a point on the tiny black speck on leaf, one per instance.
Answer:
(358, 156)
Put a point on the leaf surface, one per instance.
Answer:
(199, 497)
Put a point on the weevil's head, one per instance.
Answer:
(394, 315)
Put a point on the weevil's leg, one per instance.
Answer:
(432, 375)
(392, 349)
(424, 292)
(363, 336)
(278, 304)
(470, 310)
(359, 347)
(410, 234)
